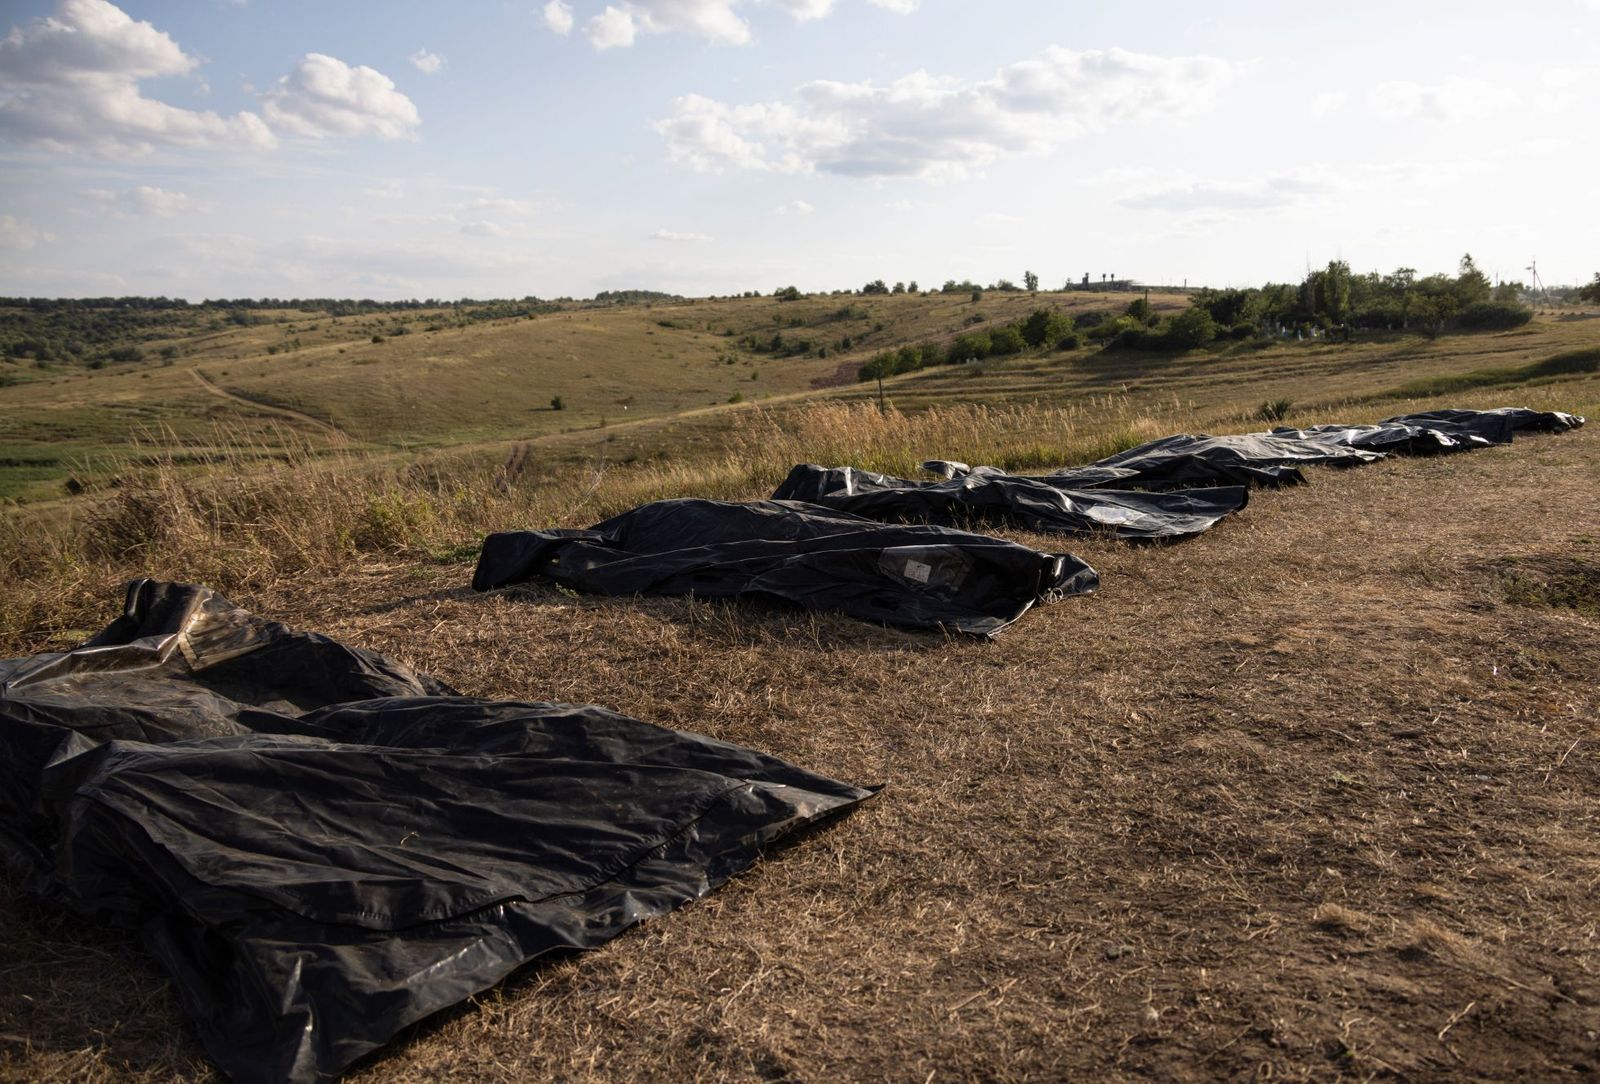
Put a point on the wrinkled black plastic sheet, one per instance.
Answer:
(322, 846)
(987, 495)
(1186, 461)
(1439, 432)
(923, 577)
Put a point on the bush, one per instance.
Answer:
(1006, 340)
(1243, 331)
(1088, 321)
(1111, 328)
(878, 368)
(973, 346)
(1189, 329)
(1274, 410)
(907, 359)
(1044, 326)
(1493, 316)
(1069, 342)
(1140, 310)
(557, 403)
(377, 338)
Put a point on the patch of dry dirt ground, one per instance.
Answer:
(1311, 797)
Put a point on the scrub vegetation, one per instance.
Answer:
(1312, 796)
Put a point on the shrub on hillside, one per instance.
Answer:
(973, 346)
(1274, 410)
(1492, 316)
(1045, 326)
(1107, 330)
(907, 359)
(1006, 340)
(1069, 341)
(1243, 331)
(1191, 328)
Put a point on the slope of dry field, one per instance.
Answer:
(1315, 796)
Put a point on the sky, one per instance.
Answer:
(398, 149)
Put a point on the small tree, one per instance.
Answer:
(1006, 340)
(1045, 326)
(977, 294)
(556, 403)
(1472, 285)
(1190, 328)
(1140, 310)
(876, 286)
(1030, 282)
(911, 287)
(1591, 292)
(899, 288)
(788, 293)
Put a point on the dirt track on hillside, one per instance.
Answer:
(1315, 796)
(257, 407)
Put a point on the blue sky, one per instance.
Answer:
(213, 148)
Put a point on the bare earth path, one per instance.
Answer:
(1315, 796)
(259, 407)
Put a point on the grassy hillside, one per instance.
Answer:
(1312, 796)
(636, 381)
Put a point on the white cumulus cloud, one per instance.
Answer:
(1284, 189)
(804, 10)
(795, 207)
(1452, 100)
(21, 235)
(426, 62)
(505, 205)
(676, 235)
(144, 201)
(620, 23)
(558, 17)
(923, 125)
(71, 81)
(325, 97)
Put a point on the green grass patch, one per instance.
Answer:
(1571, 363)
(1564, 582)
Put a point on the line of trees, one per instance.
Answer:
(1043, 327)
(1335, 298)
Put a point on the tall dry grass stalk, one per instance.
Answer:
(238, 510)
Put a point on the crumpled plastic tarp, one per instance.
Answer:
(923, 577)
(1275, 458)
(988, 495)
(1437, 432)
(321, 846)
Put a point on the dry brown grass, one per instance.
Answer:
(1306, 798)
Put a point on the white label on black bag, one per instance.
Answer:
(916, 570)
